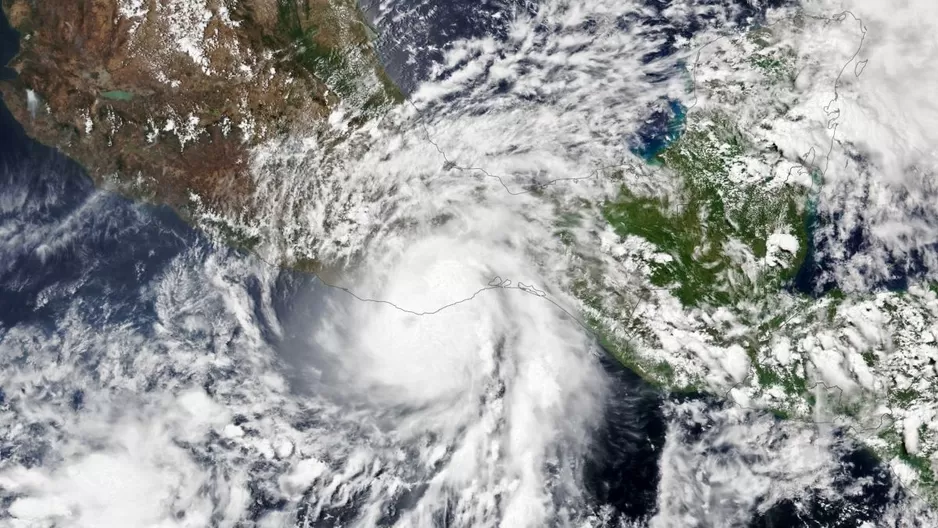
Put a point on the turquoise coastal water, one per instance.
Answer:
(660, 130)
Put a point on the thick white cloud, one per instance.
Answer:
(896, 114)
(482, 410)
(881, 176)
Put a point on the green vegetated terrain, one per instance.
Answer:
(695, 231)
(776, 63)
(338, 52)
(332, 43)
(712, 215)
(712, 238)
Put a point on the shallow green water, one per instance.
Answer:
(117, 95)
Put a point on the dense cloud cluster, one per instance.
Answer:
(439, 372)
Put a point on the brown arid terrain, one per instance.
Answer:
(163, 99)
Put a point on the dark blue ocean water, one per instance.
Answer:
(414, 34)
(817, 275)
(61, 236)
(63, 240)
(656, 15)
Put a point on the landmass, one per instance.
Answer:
(162, 100)
(704, 284)
(693, 287)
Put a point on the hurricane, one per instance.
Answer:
(406, 347)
